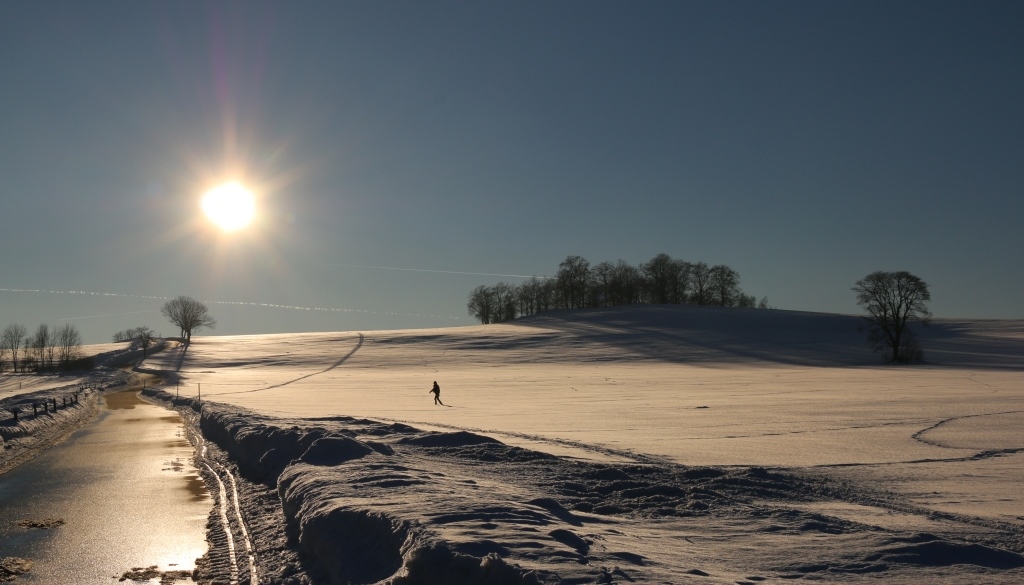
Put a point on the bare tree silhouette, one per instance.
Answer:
(188, 314)
(893, 301)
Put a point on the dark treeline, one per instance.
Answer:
(663, 280)
(133, 334)
(48, 349)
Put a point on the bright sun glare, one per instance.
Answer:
(230, 206)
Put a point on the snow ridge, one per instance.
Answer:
(342, 543)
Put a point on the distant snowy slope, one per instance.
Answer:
(974, 343)
(700, 334)
(679, 334)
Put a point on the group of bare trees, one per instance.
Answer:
(53, 348)
(184, 312)
(894, 300)
(141, 336)
(49, 348)
(578, 284)
(59, 348)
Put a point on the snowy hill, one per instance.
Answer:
(627, 440)
(720, 335)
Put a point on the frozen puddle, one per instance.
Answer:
(126, 490)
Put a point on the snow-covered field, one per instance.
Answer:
(875, 472)
(104, 354)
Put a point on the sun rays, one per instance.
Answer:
(230, 206)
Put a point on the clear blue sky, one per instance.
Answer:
(804, 144)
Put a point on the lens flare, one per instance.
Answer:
(230, 206)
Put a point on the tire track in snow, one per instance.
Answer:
(359, 345)
(202, 459)
(222, 509)
(222, 505)
(246, 539)
(224, 501)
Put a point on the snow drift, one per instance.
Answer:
(342, 542)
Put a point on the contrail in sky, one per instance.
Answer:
(274, 305)
(82, 292)
(215, 302)
(105, 315)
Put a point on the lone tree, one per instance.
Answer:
(69, 345)
(11, 340)
(893, 300)
(188, 314)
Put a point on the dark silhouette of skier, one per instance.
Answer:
(437, 394)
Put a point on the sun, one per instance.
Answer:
(230, 206)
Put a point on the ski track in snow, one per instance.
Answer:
(919, 435)
(975, 457)
(359, 345)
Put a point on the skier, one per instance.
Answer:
(437, 393)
